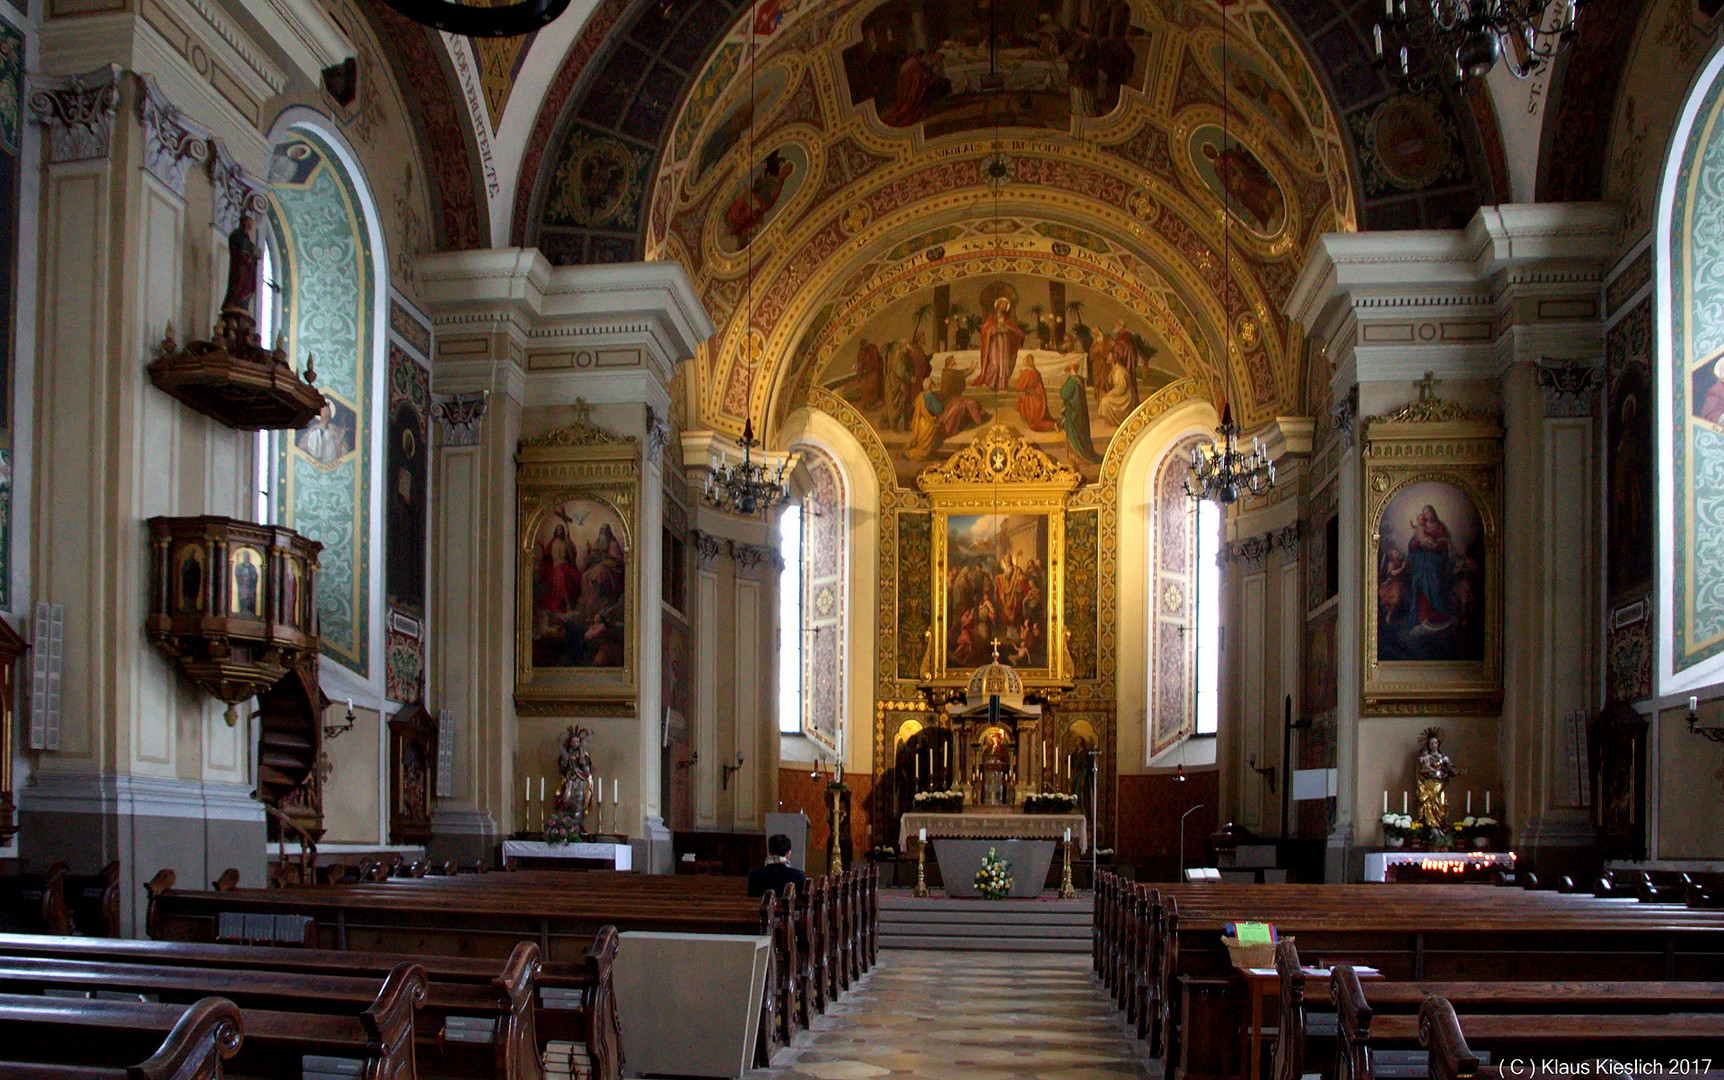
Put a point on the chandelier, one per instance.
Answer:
(1431, 41)
(1220, 471)
(748, 487)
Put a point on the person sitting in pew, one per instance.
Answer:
(777, 873)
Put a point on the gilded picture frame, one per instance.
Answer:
(1431, 562)
(998, 511)
(576, 626)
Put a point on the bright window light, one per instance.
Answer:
(1208, 616)
(790, 621)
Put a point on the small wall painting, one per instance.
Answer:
(1430, 575)
(997, 589)
(1236, 175)
(769, 87)
(1709, 393)
(1247, 77)
(331, 434)
(191, 578)
(247, 576)
(581, 560)
(753, 203)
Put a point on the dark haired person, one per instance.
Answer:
(777, 873)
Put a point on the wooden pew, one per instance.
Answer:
(206, 1034)
(1533, 1017)
(36, 903)
(1410, 932)
(111, 1034)
(506, 994)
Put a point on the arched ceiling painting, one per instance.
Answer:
(890, 192)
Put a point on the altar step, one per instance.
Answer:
(939, 922)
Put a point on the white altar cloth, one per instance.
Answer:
(1004, 824)
(619, 855)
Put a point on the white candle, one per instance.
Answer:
(541, 791)
(1469, 800)
(1385, 800)
(922, 835)
(527, 795)
(616, 791)
(1403, 800)
(1693, 703)
(1068, 834)
(1487, 800)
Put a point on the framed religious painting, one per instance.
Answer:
(998, 542)
(576, 573)
(1432, 562)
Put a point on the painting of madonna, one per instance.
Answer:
(1430, 575)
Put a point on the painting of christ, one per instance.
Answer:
(997, 590)
(580, 562)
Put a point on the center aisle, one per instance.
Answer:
(966, 1016)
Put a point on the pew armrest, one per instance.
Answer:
(516, 1042)
(604, 1027)
(208, 1034)
(389, 1020)
(1440, 1034)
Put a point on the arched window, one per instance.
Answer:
(323, 473)
(1185, 609)
(813, 599)
(1690, 242)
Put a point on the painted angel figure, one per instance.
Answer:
(575, 793)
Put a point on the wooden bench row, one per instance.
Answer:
(391, 1015)
(1159, 949)
(57, 901)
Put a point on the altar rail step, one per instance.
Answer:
(982, 925)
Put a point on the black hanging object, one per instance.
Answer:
(471, 20)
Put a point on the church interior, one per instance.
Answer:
(1198, 520)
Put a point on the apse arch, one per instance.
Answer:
(1690, 389)
(816, 430)
(1138, 659)
(333, 256)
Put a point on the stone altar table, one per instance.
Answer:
(1028, 841)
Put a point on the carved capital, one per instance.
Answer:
(1253, 551)
(235, 192)
(79, 112)
(1344, 415)
(1287, 539)
(459, 417)
(657, 435)
(172, 141)
(1570, 387)
(753, 561)
(708, 548)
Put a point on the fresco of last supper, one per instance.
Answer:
(1062, 365)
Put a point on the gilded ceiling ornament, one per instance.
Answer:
(999, 456)
(1429, 408)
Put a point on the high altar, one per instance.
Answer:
(994, 669)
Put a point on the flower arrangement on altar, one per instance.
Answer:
(939, 802)
(1050, 802)
(994, 879)
(1477, 831)
(1397, 828)
(562, 828)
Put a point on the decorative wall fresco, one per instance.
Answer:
(1630, 507)
(1697, 341)
(1062, 365)
(1173, 600)
(943, 65)
(1237, 177)
(1083, 536)
(323, 481)
(915, 591)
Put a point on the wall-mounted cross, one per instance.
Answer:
(1428, 386)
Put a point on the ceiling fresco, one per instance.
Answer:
(861, 212)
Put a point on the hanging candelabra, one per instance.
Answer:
(747, 487)
(1220, 471)
(1420, 43)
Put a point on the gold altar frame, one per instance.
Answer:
(1432, 440)
(999, 473)
(576, 462)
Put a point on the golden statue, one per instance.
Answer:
(1435, 769)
